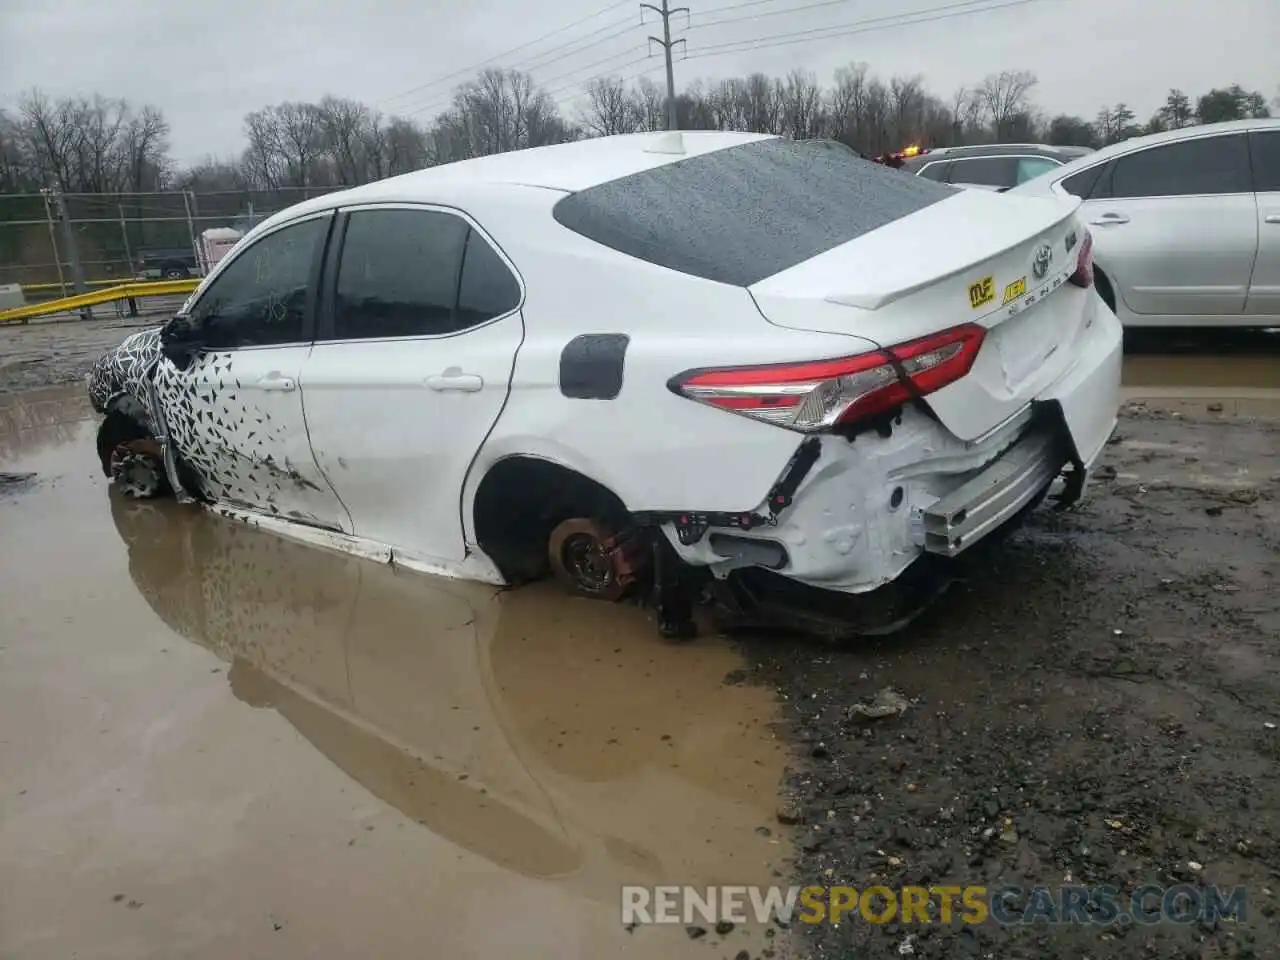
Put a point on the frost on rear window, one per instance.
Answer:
(745, 213)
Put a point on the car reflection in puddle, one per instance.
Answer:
(556, 737)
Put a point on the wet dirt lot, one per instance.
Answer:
(217, 743)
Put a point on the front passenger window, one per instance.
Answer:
(260, 297)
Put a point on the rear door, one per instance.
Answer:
(1176, 226)
(411, 368)
(1264, 286)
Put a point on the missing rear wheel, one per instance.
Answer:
(582, 558)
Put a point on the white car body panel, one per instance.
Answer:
(877, 287)
(392, 466)
(1191, 260)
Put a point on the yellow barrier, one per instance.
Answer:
(123, 291)
(62, 286)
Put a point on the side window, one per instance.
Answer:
(1084, 183)
(487, 288)
(399, 272)
(1266, 161)
(1031, 167)
(260, 298)
(987, 171)
(1206, 165)
(936, 171)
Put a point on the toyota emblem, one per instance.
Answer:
(1040, 262)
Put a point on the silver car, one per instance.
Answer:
(1185, 224)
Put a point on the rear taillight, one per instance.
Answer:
(1083, 277)
(820, 394)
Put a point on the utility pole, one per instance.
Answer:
(73, 254)
(667, 43)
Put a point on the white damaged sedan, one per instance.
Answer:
(713, 363)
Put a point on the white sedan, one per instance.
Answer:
(1186, 223)
(661, 357)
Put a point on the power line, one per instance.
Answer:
(959, 8)
(444, 102)
(849, 29)
(817, 4)
(506, 53)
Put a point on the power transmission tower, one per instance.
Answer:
(667, 43)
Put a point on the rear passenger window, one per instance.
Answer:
(1266, 161)
(1207, 165)
(987, 171)
(414, 273)
(488, 289)
(1084, 183)
(935, 171)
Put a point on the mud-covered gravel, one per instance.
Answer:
(1096, 704)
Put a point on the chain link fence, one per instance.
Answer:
(47, 237)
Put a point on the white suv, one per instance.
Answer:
(726, 352)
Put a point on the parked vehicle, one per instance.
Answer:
(176, 263)
(1186, 223)
(995, 166)
(701, 358)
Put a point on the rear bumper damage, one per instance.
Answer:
(868, 510)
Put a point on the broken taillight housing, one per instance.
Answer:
(821, 394)
(1083, 276)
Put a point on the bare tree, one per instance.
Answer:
(1005, 95)
(610, 108)
(88, 145)
(847, 104)
(801, 106)
(651, 107)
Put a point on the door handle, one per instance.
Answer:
(455, 379)
(1107, 219)
(273, 381)
(1273, 218)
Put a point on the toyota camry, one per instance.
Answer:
(719, 359)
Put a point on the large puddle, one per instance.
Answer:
(220, 743)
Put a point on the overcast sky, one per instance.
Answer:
(207, 64)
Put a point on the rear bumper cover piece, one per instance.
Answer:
(1006, 485)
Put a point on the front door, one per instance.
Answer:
(1175, 226)
(234, 412)
(1264, 287)
(410, 370)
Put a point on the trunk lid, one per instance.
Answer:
(996, 260)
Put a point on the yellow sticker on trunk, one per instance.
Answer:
(982, 292)
(1014, 290)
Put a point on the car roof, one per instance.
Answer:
(1155, 139)
(563, 166)
(1001, 150)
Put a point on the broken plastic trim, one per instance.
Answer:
(692, 526)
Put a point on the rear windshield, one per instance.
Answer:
(745, 213)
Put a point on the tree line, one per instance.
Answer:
(99, 144)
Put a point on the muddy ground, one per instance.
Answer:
(214, 742)
(1099, 706)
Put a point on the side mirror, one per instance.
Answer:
(180, 341)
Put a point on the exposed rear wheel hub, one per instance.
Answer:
(583, 559)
